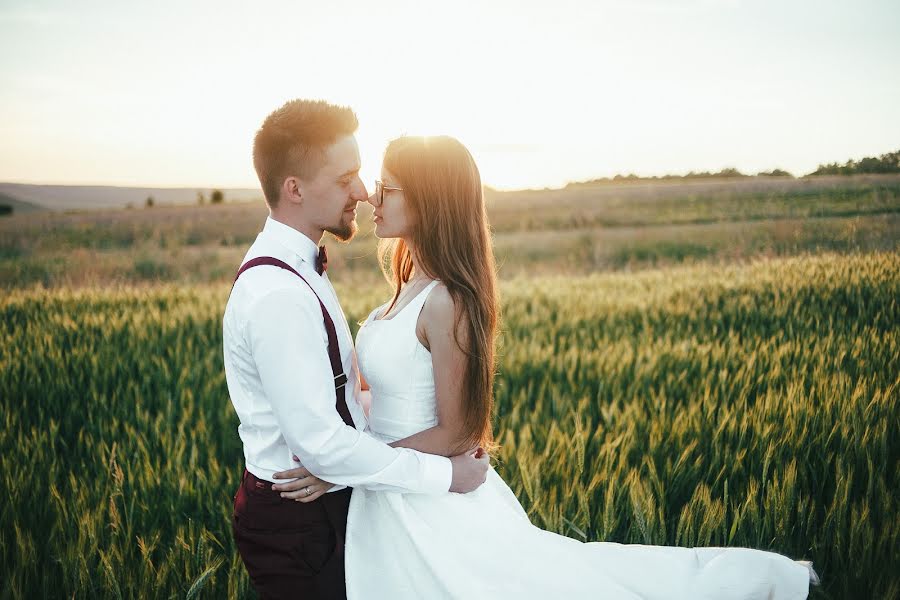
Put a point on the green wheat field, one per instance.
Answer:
(742, 392)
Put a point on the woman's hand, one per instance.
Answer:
(305, 488)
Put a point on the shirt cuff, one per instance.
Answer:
(436, 473)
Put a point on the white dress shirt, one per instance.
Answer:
(281, 384)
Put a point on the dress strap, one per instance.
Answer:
(416, 304)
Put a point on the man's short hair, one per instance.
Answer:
(293, 139)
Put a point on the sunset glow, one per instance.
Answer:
(169, 93)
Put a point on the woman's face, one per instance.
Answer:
(392, 218)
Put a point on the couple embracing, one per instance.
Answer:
(367, 470)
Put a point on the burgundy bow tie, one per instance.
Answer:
(322, 261)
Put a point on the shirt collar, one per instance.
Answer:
(292, 239)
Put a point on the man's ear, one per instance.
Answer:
(292, 190)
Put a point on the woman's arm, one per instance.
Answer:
(439, 440)
(435, 329)
(365, 395)
(365, 400)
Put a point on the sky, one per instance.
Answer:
(171, 93)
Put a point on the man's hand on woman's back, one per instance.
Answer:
(469, 470)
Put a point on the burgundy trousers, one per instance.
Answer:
(291, 549)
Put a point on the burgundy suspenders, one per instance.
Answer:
(334, 353)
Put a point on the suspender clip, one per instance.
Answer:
(340, 381)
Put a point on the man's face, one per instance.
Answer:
(331, 196)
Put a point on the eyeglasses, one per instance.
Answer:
(379, 192)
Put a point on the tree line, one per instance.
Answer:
(886, 163)
(216, 197)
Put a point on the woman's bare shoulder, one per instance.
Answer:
(438, 315)
(439, 305)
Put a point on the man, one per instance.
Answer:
(291, 368)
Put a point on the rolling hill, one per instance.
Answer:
(27, 197)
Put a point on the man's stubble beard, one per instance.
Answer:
(344, 231)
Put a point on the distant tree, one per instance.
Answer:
(217, 197)
(886, 163)
(629, 177)
(727, 172)
(201, 199)
(774, 173)
(5, 210)
(828, 169)
(149, 202)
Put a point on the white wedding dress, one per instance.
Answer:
(482, 545)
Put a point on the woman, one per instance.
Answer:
(428, 357)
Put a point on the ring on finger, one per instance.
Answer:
(307, 491)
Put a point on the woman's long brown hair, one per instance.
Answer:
(442, 188)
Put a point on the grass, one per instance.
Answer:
(653, 205)
(575, 231)
(750, 405)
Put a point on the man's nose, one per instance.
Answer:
(360, 193)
